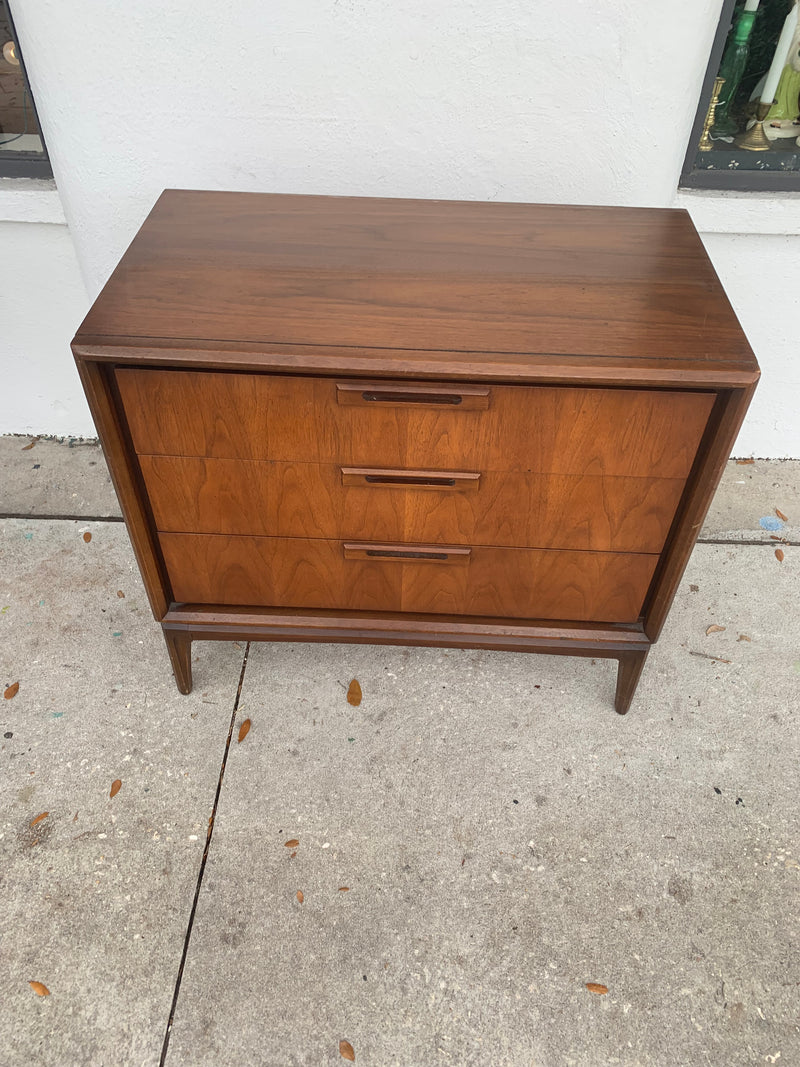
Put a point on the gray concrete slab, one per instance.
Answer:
(55, 477)
(483, 836)
(95, 897)
(657, 854)
(749, 496)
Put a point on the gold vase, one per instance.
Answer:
(755, 139)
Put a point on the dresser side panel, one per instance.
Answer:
(123, 467)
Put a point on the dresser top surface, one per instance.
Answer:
(511, 283)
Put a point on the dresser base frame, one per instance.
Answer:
(185, 623)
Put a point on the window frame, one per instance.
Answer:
(18, 164)
(741, 180)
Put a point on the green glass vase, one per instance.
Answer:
(731, 69)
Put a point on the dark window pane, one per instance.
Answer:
(22, 149)
(747, 132)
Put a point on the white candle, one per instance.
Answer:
(780, 57)
(751, 5)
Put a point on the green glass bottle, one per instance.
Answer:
(731, 69)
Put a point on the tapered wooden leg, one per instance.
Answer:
(628, 674)
(179, 646)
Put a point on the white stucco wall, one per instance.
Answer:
(761, 274)
(457, 99)
(42, 298)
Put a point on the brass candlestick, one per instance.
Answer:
(706, 144)
(756, 140)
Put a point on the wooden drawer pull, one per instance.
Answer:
(380, 396)
(413, 553)
(403, 479)
(369, 394)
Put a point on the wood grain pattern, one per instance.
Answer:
(537, 429)
(454, 631)
(431, 481)
(213, 622)
(98, 385)
(631, 665)
(605, 369)
(428, 394)
(542, 368)
(436, 275)
(413, 552)
(179, 649)
(516, 583)
(509, 509)
(720, 437)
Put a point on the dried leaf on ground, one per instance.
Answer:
(40, 989)
(29, 446)
(347, 1052)
(714, 629)
(87, 537)
(745, 462)
(244, 730)
(744, 637)
(344, 888)
(300, 897)
(116, 785)
(12, 690)
(779, 555)
(354, 693)
(292, 843)
(780, 515)
(120, 594)
(39, 818)
(597, 987)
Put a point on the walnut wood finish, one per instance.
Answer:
(381, 551)
(730, 410)
(641, 372)
(422, 276)
(578, 360)
(416, 394)
(511, 510)
(628, 645)
(98, 385)
(410, 628)
(179, 648)
(437, 481)
(535, 429)
(298, 572)
(631, 665)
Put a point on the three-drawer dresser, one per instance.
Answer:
(414, 422)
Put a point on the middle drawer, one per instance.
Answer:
(503, 508)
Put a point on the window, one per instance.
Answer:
(746, 134)
(22, 148)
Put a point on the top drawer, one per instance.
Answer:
(541, 429)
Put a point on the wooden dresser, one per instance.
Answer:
(414, 422)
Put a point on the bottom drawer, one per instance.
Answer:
(313, 573)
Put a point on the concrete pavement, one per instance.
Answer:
(477, 841)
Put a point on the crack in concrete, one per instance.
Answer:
(201, 872)
(118, 518)
(61, 518)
